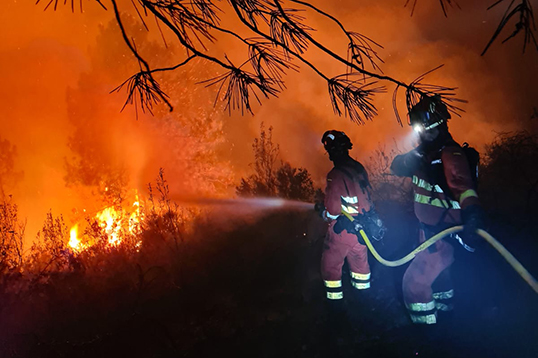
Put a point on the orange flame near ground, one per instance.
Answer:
(74, 242)
(114, 223)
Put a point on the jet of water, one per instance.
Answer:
(268, 203)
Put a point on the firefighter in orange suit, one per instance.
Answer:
(444, 196)
(347, 190)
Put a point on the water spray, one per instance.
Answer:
(259, 202)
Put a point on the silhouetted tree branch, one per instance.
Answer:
(281, 37)
(525, 23)
(522, 12)
(444, 5)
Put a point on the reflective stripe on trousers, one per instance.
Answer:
(443, 300)
(334, 289)
(424, 313)
(360, 281)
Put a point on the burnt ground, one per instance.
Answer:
(255, 291)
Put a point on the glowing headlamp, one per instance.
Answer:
(419, 128)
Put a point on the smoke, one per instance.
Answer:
(67, 128)
(499, 87)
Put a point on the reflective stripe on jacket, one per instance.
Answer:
(346, 190)
(444, 170)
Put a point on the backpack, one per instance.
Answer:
(473, 158)
(437, 175)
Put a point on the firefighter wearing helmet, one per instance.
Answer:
(346, 191)
(444, 196)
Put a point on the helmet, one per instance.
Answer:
(336, 141)
(428, 113)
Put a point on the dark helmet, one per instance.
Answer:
(428, 113)
(336, 142)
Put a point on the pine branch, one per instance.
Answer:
(283, 38)
(444, 5)
(55, 2)
(239, 86)
(144, 91)
(359, 47)
(269, 63)
(355, 99)
(416, 90)
(185, 19)
(289, 30)
(525, 22)
(253, 10)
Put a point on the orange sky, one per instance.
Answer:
(50, 58)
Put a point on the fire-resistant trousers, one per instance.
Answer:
(427, 286)
(337, 248)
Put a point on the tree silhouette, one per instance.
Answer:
(509, 177)
(8, 175)
(276, 38)
(185, 142)
(273, 177)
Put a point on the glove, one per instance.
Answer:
(373, 225)
(473, 218)
(352, 227)
(319, 207)
(414, 159)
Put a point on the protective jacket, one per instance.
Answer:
(443, 186)
(442, 182)
(346, 190)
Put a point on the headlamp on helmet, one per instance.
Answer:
(428, 113)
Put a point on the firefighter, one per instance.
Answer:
(444, 196)
(346, 190)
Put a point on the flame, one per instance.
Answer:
(74, 242)
(110, 220)
(115, 222)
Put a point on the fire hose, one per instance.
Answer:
(516, 265)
